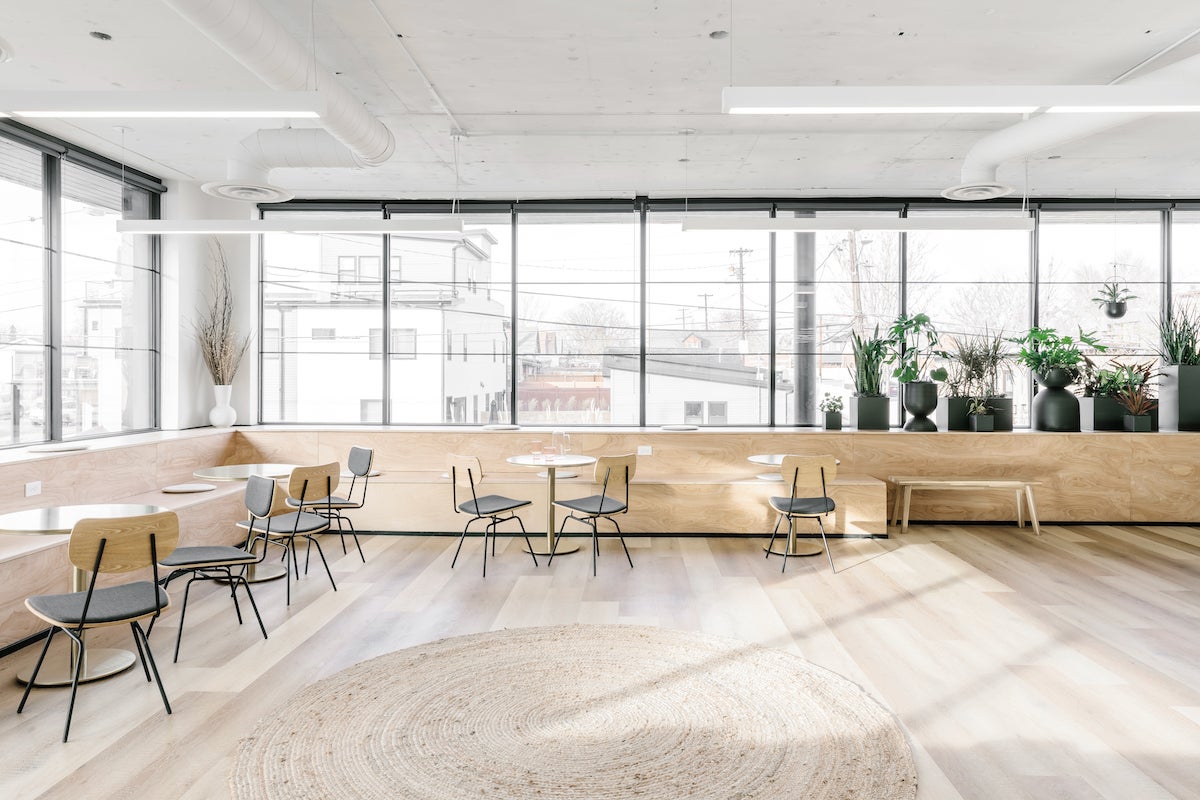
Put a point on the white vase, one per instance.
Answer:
(222, 415)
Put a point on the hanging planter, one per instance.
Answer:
(1112, 299)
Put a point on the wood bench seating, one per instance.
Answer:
(905, 485)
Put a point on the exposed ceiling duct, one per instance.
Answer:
(245, 30)
(248, 172)
(979, 179)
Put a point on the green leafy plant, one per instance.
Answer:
(1134, 393)
(831, 404)
(1179, 336)
(1099, 381)
(977, 406)
(975, 365)
(1043, 349)
(870, 354)
(913, 344)
(1113, 292)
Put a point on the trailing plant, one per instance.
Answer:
(220, 345)
(913, 344)
(1179, 336)
(977, 406)
(1113, 292)
(1043, 349)
(870, 354)
(976, 364)
(831, 404)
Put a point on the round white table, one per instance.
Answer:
(56, 521)
(550, 464)
(255, 573)
(794, 547)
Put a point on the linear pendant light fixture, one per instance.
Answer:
(401, 224)
(161, 105)
(1062, 99)
(857, 223)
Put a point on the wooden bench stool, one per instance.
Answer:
(1023, 489)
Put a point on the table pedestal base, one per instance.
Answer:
(542, 550)
(98, 663)
(798, 550)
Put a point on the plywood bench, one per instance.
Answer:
(1024, 491)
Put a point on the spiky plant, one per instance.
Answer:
(1179, 336)
(220, 345)
(870, 354)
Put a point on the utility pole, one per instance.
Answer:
(740, 272)
(683, 318)
(705, 296)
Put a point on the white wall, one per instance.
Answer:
(186, 263)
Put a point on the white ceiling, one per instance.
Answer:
(567, 98)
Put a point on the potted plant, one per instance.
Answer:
(1112, 299)
(1098, 407)
(220, 345)
(869, 405)
(981, 418)
(1179, 384)
(1056, 362)
(831, 405)
(974, 369)
(913, 344)
(1135, 397)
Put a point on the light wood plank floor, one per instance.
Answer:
(1065, 666)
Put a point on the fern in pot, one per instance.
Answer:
(221, 347)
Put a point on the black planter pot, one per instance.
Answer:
(983, 423)
(951, 413)
(1114, 310)
(1139, 423)
(833, 420)
(1179, 398)
(1054, 408)
(871, 413)
(920, 400)
(1101, 413)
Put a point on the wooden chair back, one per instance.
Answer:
(307, 484)
(126, 541)
(808, 476)
(465, 471)
(617, 470)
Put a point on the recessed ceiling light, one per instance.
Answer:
(101, 35)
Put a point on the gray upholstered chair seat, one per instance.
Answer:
(491, 504)
(595, 504)
(297, 522)
(333, 502)
(112, 604)
(207, 555)
(803, 505)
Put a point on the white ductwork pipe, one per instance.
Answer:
(248, 171)
(984, 159)
(247, 32)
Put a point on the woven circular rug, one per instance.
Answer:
(579, 711)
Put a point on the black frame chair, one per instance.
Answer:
(359, 464)
(805, 473)
(620, 469)
(467, 471)
(111, 545)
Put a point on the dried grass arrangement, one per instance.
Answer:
(220, 344)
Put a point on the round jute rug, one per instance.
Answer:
(579, 711)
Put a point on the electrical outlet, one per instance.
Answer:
(645, 450)
(33, 488)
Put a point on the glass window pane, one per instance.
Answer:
(451, 323)
(1081, 251)
(578, 318)
(107, 311)
(828, 285)
(974, 284)
(1185, 259)
(707, 323)
(320, 307)
(23, 353)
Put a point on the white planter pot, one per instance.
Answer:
(222, 415)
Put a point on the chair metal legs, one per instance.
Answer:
(591, 522)
(226, 575)
(491, 527)
(791, 525)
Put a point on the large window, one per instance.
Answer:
(613, 315)
(85, 365)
